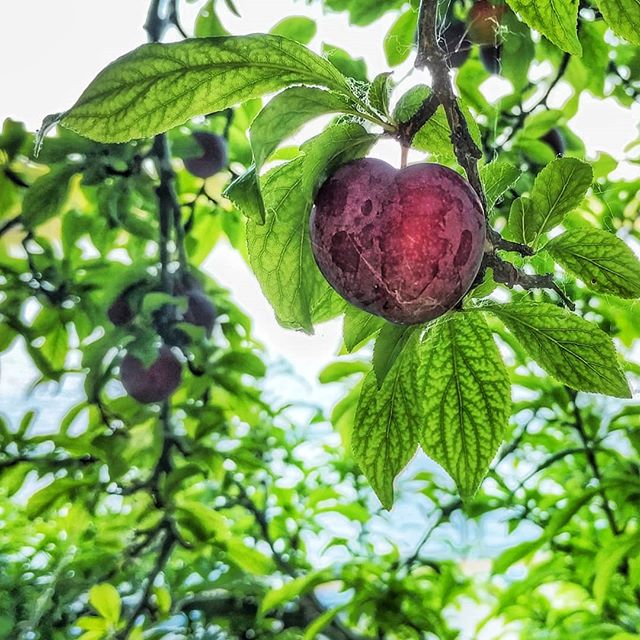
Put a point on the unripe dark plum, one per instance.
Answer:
(455, 42)
(154, 384)
(490, 57)
(485, 20)
(402, 244)
(200, 310)
(120, 312)
(213, 158)
(555, 140)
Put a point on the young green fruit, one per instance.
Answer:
(402, 244)
(153, 384)
(214, 155)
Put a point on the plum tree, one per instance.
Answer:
(555, 140)
(485, 19)
(455, 42)
(402, 244)
(490, 57)
(214, 155)
(155, 383)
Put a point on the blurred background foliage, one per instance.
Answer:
(228, 514)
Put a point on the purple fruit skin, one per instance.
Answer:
(200, 310)
(456, 44)
(120, 311)
(402, 244)
(213, 158)
(490, 57)
(555, 140)
(154, 384)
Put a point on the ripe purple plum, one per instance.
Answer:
(555, 140)
(214, 155)
(402, 244)
(200, 312)
(120, 312)
(490, 56)
(155, 383)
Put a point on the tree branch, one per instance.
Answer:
(434, 58)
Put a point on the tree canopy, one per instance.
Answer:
(205, 508)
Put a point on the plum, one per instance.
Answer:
(155, 383)
(120, 312)
(555, 140)
(455, 42)
(402, 244)
(485, 20)
(200, 312)
(490, 57)
(213, 158)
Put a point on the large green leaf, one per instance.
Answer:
(466, 397)
(159, 86)
(559, 188)
(359, 326)
(400, 39)
(105, 599)
(572, 350)
(287, 113)
(608, 560)
(623, 16)
(600, 259)
(385, 430)
(280, 250)
(555, 19)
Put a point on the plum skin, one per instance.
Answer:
(214, 155)
(484, 21)
(455, 43)
(555, 140)
(402, 244)
(153, 384)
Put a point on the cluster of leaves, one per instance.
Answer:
(199, 518)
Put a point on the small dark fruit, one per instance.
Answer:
(120, 312)
(555, 140)
(213, 158)
(456, 44)
(485, 19)
(490, 57)
(402, 244)
(154, 384)
(200, 310)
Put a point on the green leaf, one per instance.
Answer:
(399, 41)
(600, 259)
(159, 86)
(245, 194)
(554, 19)
(316, 627)
(46, 195)
(409, 103)
(519, 219)
(280, 251)
(342, 369)
(623, 16)
(497, 178)
(290, 590)
(208, 23)
(559, 188)
(466, 398)
(385, 436)
(285, 114)
(105, 599)
(298, 28)
(359, 326)
(518, 51)
(608, 560)
(248, 559)
(572, 350)
(352, 67)
(380, 93)
(389, 345)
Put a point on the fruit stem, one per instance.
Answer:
(404, 156)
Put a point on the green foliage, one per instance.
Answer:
(465, 392)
